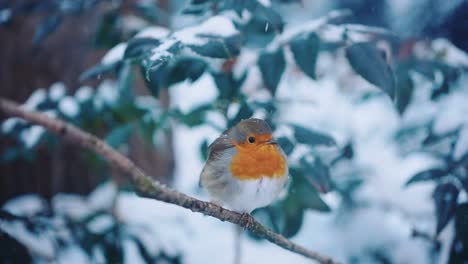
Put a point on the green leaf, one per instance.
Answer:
(47, 27)
(317, 174)
(272, 65)
(125, 81)
(228, 86)
(310, 137)
(445, 200)
(286, 215)
(367, 60)
(108, 33)
(245, 111)
(307, 195)
(404, 90)
(154, 80)
(268, 15)
(144, 253)
(305, 50)
(459, 252)
(427, 175)
(294, 215)
(185, 68)
(204, 149)
(13, 251)
(119, 135)
(286, 144)
(138, 47)
(195, 117)
(98, 70)
(218, 47)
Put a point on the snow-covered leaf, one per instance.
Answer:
(461, 146)
(69, 107)
(32, 136)
(265, 13)
(185, 68)
(38, 97)
(138, 47)
(218, 47)
(57, 91)
(367, 60)
(115, 54)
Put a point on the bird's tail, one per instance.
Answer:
(238, 244)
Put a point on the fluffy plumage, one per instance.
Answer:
(245, 169)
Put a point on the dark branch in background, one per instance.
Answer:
(149, 188)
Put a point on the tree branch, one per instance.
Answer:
(149, 188)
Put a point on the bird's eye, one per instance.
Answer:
(251, 140)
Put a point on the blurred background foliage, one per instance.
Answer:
(145, 51)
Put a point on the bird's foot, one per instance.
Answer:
(246, 221)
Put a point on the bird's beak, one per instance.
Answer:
(272, 142)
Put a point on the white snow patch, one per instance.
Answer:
(5, 14)
(31, 136)
(73, 255)
(131, 252)
(37, 97)
(57, 91)
(451, 112)
(25, 205)
(215, 26)
(202, 91)
(107, 94)
(50, 113)
(132, 23)
(449, 53)
(266, 3)
(115, 54)
(461, 147)
(73, 206)
(84, 94)
(155, 32)
(101, 224)
(9, 124)
(69, 107)
(103, 197)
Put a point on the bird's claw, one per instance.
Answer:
(246, 220)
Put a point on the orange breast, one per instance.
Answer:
(253, 163)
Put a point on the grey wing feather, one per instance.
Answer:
(216, 149)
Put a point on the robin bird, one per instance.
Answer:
(246, 169)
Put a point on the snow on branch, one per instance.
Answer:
(150, 188)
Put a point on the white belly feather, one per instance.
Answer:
(247, 195)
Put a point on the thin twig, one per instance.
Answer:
(150, 188)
